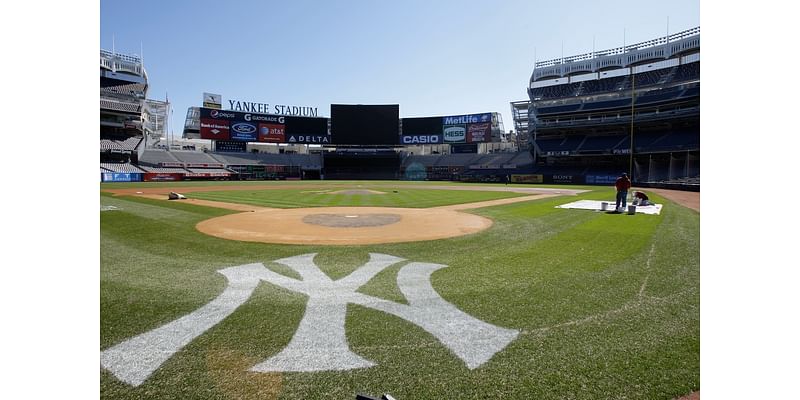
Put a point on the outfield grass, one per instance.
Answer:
(296, 198)
(608, 305)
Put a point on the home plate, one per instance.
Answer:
(597, 205)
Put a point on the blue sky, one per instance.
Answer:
(431, 57)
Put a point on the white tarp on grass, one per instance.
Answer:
(596, 205)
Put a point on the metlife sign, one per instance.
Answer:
(467, 119)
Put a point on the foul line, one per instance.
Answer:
(634, 303)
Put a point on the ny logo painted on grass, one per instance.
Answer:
(319, 344)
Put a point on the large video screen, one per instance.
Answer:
(365, 124)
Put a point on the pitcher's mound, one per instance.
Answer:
(344, 225)
(351, 221)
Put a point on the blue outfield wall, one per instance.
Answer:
(120, 177)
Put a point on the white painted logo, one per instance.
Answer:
(319, 344)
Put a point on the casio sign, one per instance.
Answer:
(455, 134)
(422, 139)
(243, 128)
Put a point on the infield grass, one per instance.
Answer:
(296, 198)
(607, 304)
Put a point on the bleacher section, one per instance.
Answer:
(208, 170)
(106, 144)
(465, 160)
(665, 77)
(194, 157)
(156, 157)
(305, 161)
(130, 143)
(601, 143)
(120, 167)
(116, 105)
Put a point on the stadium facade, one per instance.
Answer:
(588, 117)
(634, 108)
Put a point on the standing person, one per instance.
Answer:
(622, 185)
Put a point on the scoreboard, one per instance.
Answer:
(251, 127)
(358, 124)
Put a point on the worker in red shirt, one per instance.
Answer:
(622, 185)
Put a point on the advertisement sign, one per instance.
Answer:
(454, 133)
(575, 179)
(214, 129)
(478, 133)
(467, 119)
(271, 133)
(162, 177)
(120, 177)
(527, 178)
(244, 131)
(206, 174)
(421, 139)
(601, 179)
(228, 115)
(211, 100)
(315, 139)
(204, 165)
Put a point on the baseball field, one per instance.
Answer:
(422, 290)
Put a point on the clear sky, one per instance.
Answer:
(431, 57)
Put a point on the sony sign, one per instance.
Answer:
(422, 139)
(264, 108)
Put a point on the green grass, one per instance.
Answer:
(608, 305)
(294, 198)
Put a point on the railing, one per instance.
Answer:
(619, 50)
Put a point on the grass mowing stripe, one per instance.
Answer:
(413, 198)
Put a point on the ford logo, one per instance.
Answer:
(243, 128)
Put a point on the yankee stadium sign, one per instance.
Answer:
(264, 108)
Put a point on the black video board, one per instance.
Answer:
(365, 124)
